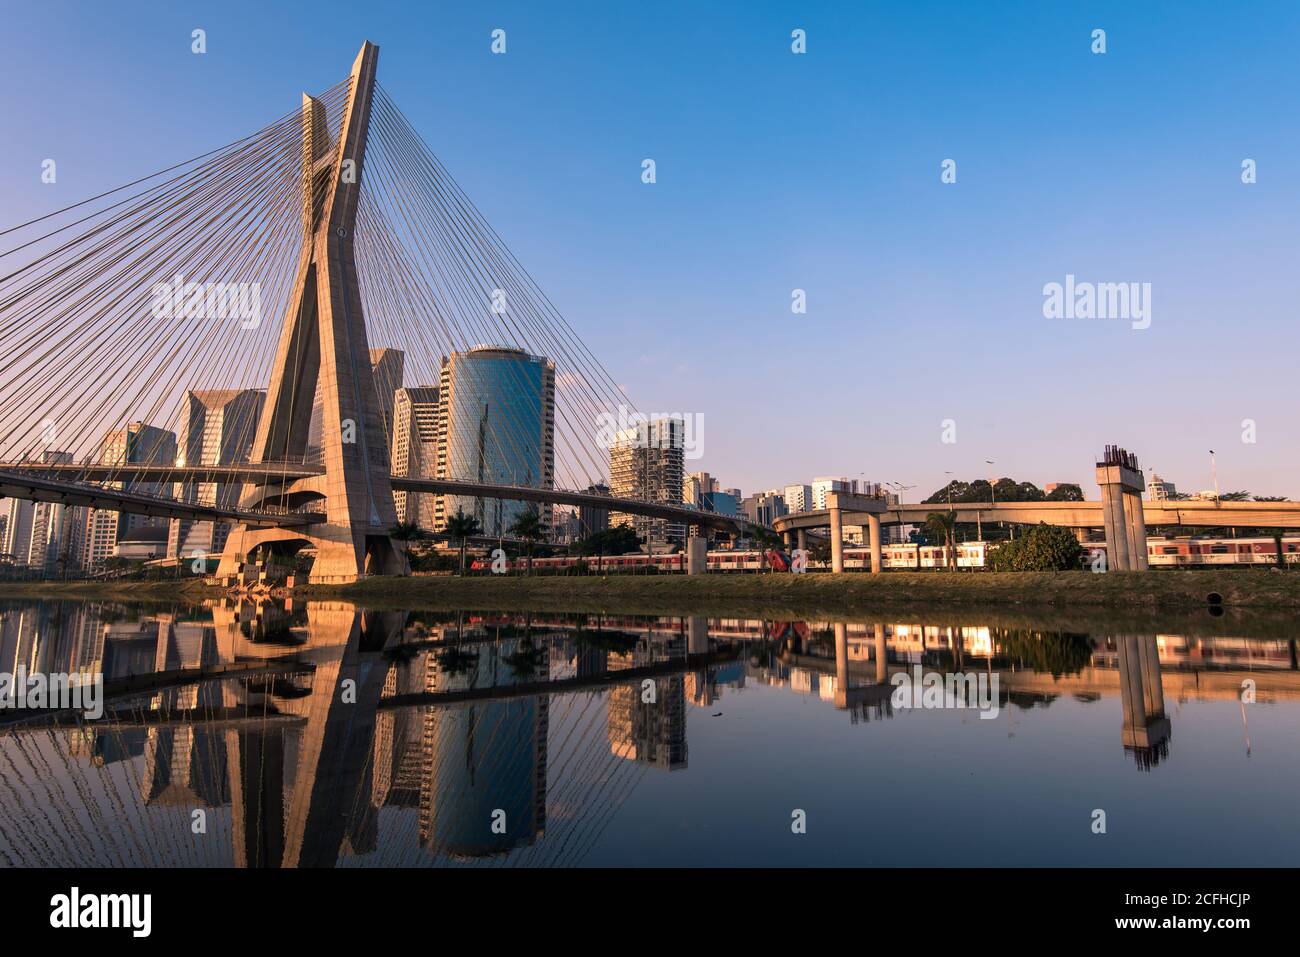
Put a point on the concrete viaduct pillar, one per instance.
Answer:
(873, 525)
(837, 541)
(1121, 496)
(1137, 531)
(697, 555)
(870, 508)
(801, 539)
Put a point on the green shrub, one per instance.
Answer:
(1043, 548)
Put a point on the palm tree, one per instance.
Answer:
(407, 532)
(761, 539)
(461, 527)
(943, 526)
(530, 528)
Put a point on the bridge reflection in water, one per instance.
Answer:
(320, 734)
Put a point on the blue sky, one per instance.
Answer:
(820, 172)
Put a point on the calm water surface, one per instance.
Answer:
(322, 734)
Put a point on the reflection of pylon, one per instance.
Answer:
(323, 345)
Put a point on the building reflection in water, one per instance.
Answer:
(396, 738)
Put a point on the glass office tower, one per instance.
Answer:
(496, 426)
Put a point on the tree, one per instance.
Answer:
(530, 528)
(619, 540)
(943, 526)
(1005, 490)
(407, 532)
(1065, 492)
(819, 552)
(762, 539)
(462, 527)
(1043, 548)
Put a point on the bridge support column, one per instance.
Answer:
(873, 528)
(697, 555)
(1112, 508)
(837, 541)
(801, 539)
(1121, 495)
(1081, 535)
(1137, 531)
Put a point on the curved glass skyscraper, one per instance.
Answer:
(496, 426)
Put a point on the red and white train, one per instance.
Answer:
(1161, 553)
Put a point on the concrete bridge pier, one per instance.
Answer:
(801, 539)
(697, 555)
(1137, 531)
(788, 538)
(837, 540)
(864, 510)
(1121, 496)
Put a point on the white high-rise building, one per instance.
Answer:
(821, 487)
(217, 428)
(415, 450)
(137, 444)
(646, 464)
(16, 545)
(57, 529)
(798, 498)
(1158, 490)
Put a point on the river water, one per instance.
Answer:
(323, 734)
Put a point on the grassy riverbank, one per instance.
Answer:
(772, 594)
(130, 591)
(776, 593)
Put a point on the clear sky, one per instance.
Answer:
(819, 171)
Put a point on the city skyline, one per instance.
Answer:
(861, 384)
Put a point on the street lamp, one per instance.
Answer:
(1214, 473)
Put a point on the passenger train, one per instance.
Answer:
(1161, 553)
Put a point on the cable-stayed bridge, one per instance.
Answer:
(270, 269)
